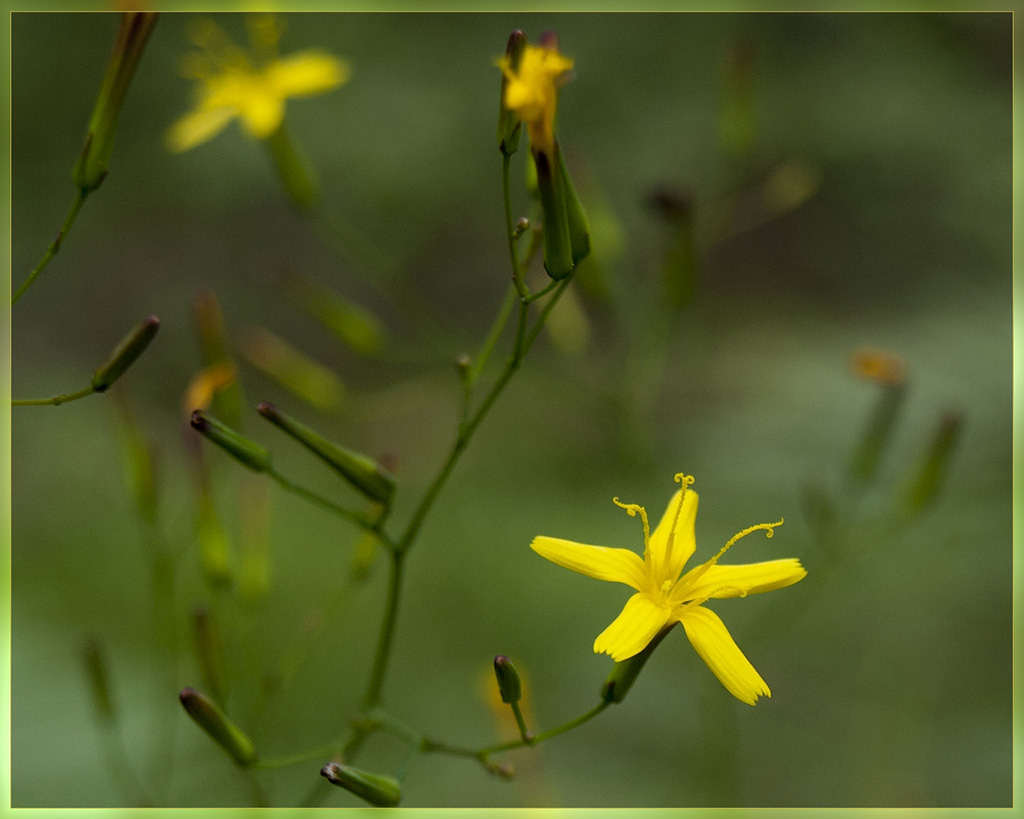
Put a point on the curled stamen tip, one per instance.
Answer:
(631, 508)
(684, 479)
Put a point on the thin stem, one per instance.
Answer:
(553, 732)
(55, 400)
(510, 229)
(504, 312)
(349, 514)
(387, 632)
(54, 247)
(327, 751)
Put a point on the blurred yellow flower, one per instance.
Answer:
(251, 86)
(663, 597)
(532, 91)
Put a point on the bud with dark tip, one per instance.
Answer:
(382, 791)
(124, 355)
(365, 474)
(223, 731)
(510, 127)
(250, 453)
(508, 679)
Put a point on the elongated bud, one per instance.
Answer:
(509, 125)
(557, 240)
(94, 161)
(228, 400)
(932, 472)
(223, 731)
(382, 791)
(99, 686)
(365, 474)
(624, 674)
(579, 226)
(309, 380)
(248, 452)
(508, 679)
(738, 120)
(214, 548)
(124, 355)
(352, 323)
(679, 268)
(890, 372)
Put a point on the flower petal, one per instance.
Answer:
(618, 565)
(308, 72)
(633, 629)
(673, 541)
(197, 127)
(738, 581)
(715, 645)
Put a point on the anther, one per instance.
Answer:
(684, 479)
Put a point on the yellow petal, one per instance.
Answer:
(715, 645)
(308, 72)
(262, 114)
(673, 541)
(197, 127)
(618, 565)
(633, 629)
(739, 581)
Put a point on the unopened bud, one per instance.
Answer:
(463, 365)
(508, 679)
(382, 791)
(557, 241)
(579, 226)
(932, 472)
(91, 168)
(96, 671)
(365, 474)
(624, 674)
(250, 453)
(509, 125)
(223, 731)
(124, 355)
(522, 225)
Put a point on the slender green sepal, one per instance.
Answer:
(509, 686)
(624, 674)
(382, 791)
(926, 483)
(365, 474)
(223, 731)
(94, 161)
(510, 127)
(557, 242)
(99, 683)
(579, 225)
(243, 449)
(124, 355)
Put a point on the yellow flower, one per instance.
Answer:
(531, 91)
(251, 86)
(663, 597)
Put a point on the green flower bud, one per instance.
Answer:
(209, 651)
(382, 791)
(624, 674)
(214, 548)
(250, 453)
(223, 731)
(91, 168)
(510, 127)
(365, 474)
(124, 355)
(508, 679)
(927, 482)
(579, 227)
(557, 241)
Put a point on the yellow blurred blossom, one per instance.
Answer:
(204, 385)
(531, 91)
(878, 365)
(251, 86)
(663, 597)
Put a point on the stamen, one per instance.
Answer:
(769, 532)
(632, 509)
(686, 481)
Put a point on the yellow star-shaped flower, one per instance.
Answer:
(531, 91)
(663, 597)
(250, 86)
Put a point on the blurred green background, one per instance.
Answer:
(848, 180)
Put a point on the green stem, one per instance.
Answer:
(54, 247)
(504, 312)
(553, 732)
(510, 229)
(387, 632)
(349, 514)
(55, 400)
